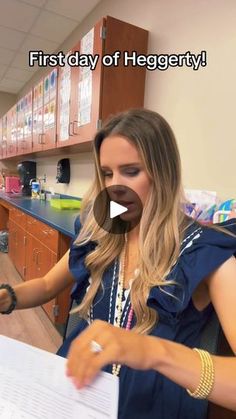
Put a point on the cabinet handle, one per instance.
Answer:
(43, 136)
(69, 130)
(31, 222)
(74, 131)
(46, 232)
(34, 254)
(37, 258)
(55, 310)
(23, 146)
(39, 139)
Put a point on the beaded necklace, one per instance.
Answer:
(118, 303)
(116, 368)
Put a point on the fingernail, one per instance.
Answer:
(87, 381)
(76, 382)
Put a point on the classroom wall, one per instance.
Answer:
(7, 100)
(199, 105)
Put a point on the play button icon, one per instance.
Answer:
(117, 209)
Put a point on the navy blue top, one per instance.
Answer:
(148, 394)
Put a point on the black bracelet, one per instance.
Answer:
(13, 298)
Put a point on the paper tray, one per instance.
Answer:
(65, 203)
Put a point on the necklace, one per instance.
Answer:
(116, 367)
(118, 321)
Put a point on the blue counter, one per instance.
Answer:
(61, 220)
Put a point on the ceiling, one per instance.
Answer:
(34, 25)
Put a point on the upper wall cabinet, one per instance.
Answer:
(87, 97)
(0, 138)
(44, 112)
(70, 103)
(11, 132)
(4, 136)
(24, 124)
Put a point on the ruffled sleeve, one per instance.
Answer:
(77, 264)
(203, 250)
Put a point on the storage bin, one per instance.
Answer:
(65, 203)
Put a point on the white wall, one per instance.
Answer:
(199, 105)
(7, 100)
(81, 171)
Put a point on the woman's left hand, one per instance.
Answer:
(117, 346)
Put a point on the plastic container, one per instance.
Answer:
(65, 203)
(35, 190)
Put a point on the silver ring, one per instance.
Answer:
(95, 347)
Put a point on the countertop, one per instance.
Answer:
(61, 220)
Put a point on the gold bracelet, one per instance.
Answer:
(207, 376)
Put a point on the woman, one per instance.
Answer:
(162, 278)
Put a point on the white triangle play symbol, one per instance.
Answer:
(116, 209)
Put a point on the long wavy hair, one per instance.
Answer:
(163, 221)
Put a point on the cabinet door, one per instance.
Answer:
(39, 259)
(28, 121)
(95, 95)
(48, 138)
(37, 116)
(4, 136)
(0, 138)
(4, 215)
(123, 87)
(11, 132)
(24, 124)
(86, 85)
(64, 104)
(43, 232)
(17, 247)
(31, 265)
(51, 307)
(79, 91)
(18, 216)
(12, 240)
(20, 257)
(45, 260)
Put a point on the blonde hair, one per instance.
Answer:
(162, 224)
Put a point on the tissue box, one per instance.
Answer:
(65, 203)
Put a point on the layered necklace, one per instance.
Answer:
(119, 316)
(118, 304)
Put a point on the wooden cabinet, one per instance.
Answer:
(0, 138)
(34, 248)
(4, 136)
(17, 239)
(69, 104)
(24, 124)
(79, 91)
(17, 246)
(11, 132)
(4, 215)
(87, 98)
(44, 112)
(39, 260)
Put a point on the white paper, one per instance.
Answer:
(64, 97)
(85, 82)
(86, 48)
(33, 384)
(85, 100)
